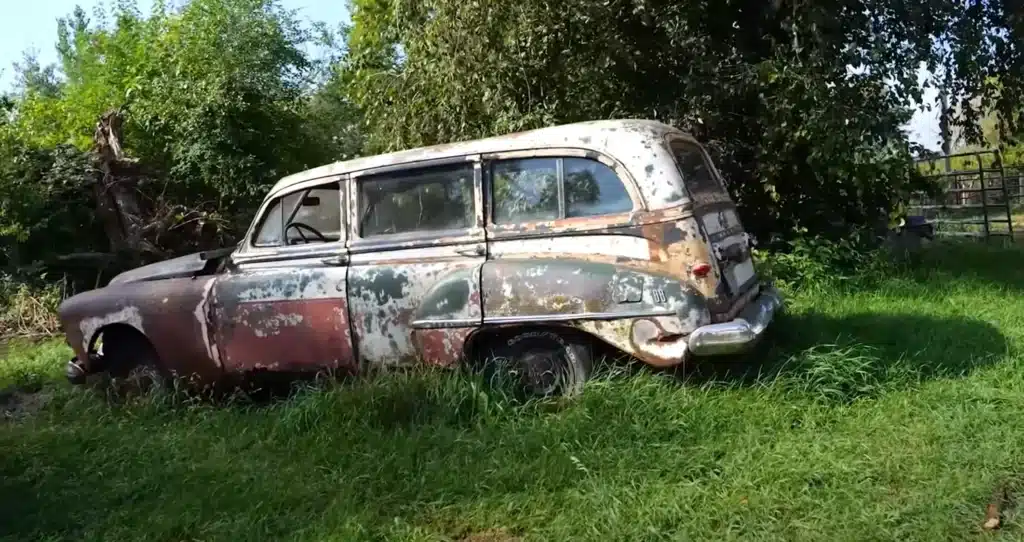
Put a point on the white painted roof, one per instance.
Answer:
(637, 144)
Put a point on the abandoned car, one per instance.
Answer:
(529, 248)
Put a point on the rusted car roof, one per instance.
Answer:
(637, 144)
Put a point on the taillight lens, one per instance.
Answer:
(701, 270)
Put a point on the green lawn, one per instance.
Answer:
(890, 412)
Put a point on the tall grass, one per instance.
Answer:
(881, 408)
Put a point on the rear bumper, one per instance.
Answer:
(740, 334)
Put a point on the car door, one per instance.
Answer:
(416, 250)
(281, 305)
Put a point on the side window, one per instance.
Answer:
(269, 232)
(540, 189)
(694, 169)
(312, 215)
(434, 199)
(593, 189)
(525, 190)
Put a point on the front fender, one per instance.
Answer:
(172, 314)
(83, 315)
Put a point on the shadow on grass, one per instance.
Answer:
(901, 348)
(995, 261)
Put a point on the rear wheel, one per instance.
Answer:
(539, 363)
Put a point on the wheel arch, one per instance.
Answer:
(116, 328)
(477, 341)
(133, 347)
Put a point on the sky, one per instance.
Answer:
(32, 25)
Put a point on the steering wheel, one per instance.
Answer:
(299, 226)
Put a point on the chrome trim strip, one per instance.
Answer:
(539, 318)
(442, 324)
(578, 316)
(285, 256)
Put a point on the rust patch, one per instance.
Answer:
(658, 341)
(442, 347)
(385, 300)
(169, 310)
(291, 335)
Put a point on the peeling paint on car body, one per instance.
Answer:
(130, 316)
(643, 279)
(283, 318)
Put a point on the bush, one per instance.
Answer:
(810, 261)
(29, 308)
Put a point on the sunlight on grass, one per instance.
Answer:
(890, 412)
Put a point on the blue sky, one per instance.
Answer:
(32, 24)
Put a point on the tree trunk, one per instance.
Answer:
(117, 200)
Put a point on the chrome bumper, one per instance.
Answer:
(75, 372)
(741, 333)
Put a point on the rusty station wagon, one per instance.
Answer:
(528, 248)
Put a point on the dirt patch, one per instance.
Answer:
(1003, 504)
(492, 535)
(18, 403)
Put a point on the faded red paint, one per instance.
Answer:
(167, 309)
(442, 347)
(293, 335)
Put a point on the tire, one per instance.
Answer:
(540, 363)
(131, 358)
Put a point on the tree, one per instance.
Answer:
(214, 101)
(801, 102)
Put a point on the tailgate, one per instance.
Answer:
(718, 217)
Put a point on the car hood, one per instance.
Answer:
(180, 267)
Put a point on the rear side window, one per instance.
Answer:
(695, 171)
(424, 200)
(307, 216)
(593, 189)
(525, 190)
(543, 189)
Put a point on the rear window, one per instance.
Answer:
(696, 173)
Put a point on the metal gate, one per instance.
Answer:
(977, 198)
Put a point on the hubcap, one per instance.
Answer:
(539, 371)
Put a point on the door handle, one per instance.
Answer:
(475, 251)
(335, 260)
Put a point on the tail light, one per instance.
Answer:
(700, 270)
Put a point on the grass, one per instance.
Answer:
(889, 411)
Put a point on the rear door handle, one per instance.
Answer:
(335, 260)
(475, 251)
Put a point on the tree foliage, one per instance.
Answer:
(802, 102)
(220, 98)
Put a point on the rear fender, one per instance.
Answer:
(643, 313)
